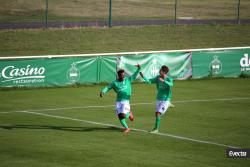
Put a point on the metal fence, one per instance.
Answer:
(109, 12)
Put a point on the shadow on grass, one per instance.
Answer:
(63, 128)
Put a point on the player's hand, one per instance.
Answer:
(141, 74)
(161, 79)
(101, 94)
(138, 66)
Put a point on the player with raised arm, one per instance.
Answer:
(122, 87)
(164, 94)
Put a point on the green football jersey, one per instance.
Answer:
(164, 92)
(123, 89)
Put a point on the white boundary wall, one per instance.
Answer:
(121, 53)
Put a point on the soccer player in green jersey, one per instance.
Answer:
(164, 94)
(122, 86)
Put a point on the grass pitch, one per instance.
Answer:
(121, 39)
(62, 137)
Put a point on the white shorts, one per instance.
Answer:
(162, 106)
(122, 107)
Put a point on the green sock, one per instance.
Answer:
(127, 115)
(123, 122)
(157, 122)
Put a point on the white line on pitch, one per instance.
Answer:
(133, 104)
(209, 100)
(61, 108)
(134, 129)
(8, 112)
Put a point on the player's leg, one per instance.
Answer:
(161, 108)
(131, 116)
(122, 111)
(127, 111)
(122, 118)
(157, 122)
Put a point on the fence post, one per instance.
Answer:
(110, 13)
(175, 12)
(46, 14)
(238, 17)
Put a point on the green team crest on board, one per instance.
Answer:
(73, 74)
(154, 68)
(215, 66)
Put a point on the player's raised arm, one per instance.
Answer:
(153, 80)
(133, 77)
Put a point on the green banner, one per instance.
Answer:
(57, 71)
(82, 69)
(179, 64)
(221, 63)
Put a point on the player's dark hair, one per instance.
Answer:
(164, 69)
(120, 71)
